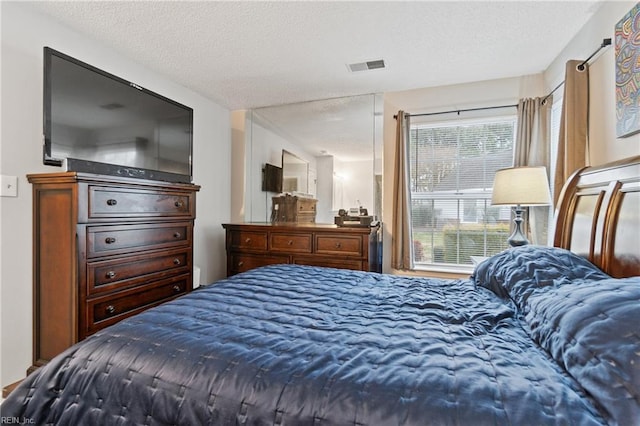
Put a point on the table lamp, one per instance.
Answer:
(520, 186)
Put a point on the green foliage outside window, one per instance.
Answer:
(470, 240)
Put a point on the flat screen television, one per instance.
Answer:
(271, 178)
(99, 123)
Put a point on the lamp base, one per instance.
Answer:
(517, 237)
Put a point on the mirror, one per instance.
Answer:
(330, 150)
(295, 175)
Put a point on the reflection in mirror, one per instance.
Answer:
(339, 143)
(295, 175)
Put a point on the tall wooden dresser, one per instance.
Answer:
(105, 248)
(251, 245)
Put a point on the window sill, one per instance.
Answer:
(432, 271)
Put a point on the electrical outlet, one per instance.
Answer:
(8, 186)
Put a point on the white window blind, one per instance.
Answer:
(452, 166)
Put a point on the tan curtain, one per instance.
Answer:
(401, 240)
(574, 139)
(533, 141)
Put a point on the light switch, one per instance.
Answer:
(8, 186)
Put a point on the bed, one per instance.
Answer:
(537, 335)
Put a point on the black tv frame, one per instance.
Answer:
(80, 165)
(271, 178)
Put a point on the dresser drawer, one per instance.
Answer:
(122, 239)
(306, 218)
(105, 311)
(244, 262)
(329, 262)
(252, 245)
(306, 205)
(248, 240)
(120, 273)
(299, 243)
(110, 202)
(334, 244)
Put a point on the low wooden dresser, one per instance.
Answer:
(251, 245)
(105, 248)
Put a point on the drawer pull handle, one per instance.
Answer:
(111, 274)
(179, 204)
(109, 240)
(248, 240)
(176, 261)
(176, 288)
(110, 309)
(338, 245)
(177, 235)
(290, 242)
(240, 263)
(112, 202)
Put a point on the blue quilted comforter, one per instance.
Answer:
(298, 345)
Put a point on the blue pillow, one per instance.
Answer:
(592, 330)
(587, 321)
(517, 272)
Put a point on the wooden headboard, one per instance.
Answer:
(598, 216)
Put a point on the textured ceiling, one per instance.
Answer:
(342, 127)
(251, 54)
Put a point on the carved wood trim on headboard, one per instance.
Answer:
(598, 216)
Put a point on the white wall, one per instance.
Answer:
(240, 134)
(24, 34)
(325, 189)
(604, 146)
(358, 185)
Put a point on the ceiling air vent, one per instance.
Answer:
(366, 66)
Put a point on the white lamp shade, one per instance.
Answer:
(525, 186)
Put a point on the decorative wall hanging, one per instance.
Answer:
(627, 35)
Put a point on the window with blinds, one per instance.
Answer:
(556, 116)
(452, 166)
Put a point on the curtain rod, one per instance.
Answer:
(605, 42)
(458, 111)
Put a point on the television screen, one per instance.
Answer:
(271, 178)
(100, 123)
